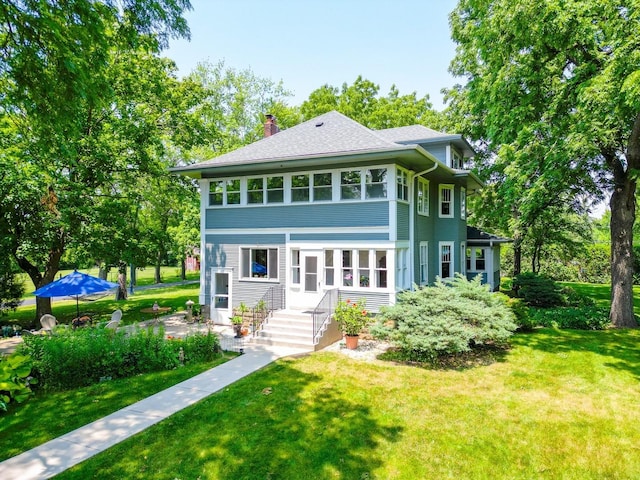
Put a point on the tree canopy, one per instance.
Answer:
(562, 76)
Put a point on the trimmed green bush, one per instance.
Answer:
(580, 318)
(521, 311)
(538, 290)
(76, 358)
(445, 319)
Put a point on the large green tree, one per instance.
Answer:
(363, 103)
(82, 112)
(567, 73)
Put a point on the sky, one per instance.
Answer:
(307, 44)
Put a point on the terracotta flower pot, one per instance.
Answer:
(352, 341)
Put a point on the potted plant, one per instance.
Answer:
(352, 318)
(237, 321)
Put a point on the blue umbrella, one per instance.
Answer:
(74, 285)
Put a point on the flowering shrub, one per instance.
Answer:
(351, 316)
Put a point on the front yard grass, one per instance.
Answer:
(560, 404)
(49, 415)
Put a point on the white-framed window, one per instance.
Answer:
(258, 263)
(456, 160)
(476, 259)
(300, 188)
(446, 260)
(423, 196)
(329, 269)
(402, 269)
(463, 203)
(424, 263)
(402, 184)
(381, 268)
(364, 269)
(275, 189)
(322, 187)
(347, 268)
(350, 185)
(446, 201)
(295, 266)
(463, 250)
(224, 192)
(375, 183)
(255, 190)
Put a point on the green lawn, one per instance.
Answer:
(49, 415)
(602, 293)
(559, 404)
(100, 310)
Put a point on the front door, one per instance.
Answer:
(311, 273)
(221, 295)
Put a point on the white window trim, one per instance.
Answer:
(463, 203)
(424, 261)
(355, 267)
(473, 267)
(463, 258)
(404, 174)
(441, 188)
(425, 198)
(402, 268)
(363, 184)
(451, 246)
(275, 279)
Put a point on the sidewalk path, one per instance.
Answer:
(64, 452)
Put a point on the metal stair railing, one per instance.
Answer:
(273, 299)
(322, 313)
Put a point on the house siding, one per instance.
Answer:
(438, 151)
(338, 236)
(222, 251)
(373, 300)
(344, 214)
(403, 218)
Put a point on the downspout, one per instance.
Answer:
(412, 223)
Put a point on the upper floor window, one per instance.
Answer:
(275, 189)
(446, 201)
(259, 263)
(463, 203)
(402, 182)
(322, 190)
(224, 192)
(350, 185)
(255, 190)
(423, 196)
(300, 188)
(456, 160)
(376, 183)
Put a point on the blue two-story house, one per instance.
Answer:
(330, 204)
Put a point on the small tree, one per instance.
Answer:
(446, 319)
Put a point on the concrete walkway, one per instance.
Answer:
(64, 452)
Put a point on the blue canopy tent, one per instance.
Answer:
(75, 284)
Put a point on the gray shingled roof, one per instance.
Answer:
(329, 134)
(477, 236)
(410, 134)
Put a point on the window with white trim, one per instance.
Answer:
(224, 192)
(300, 188)
(463, 250)
(402, 269)
(347, 268)
(322, 189)
(258, 263)
(463, 203)
(456, 160)
(275, 189)
(446, 201)
(446, 260)
(476, 259)
(364, 270)
(329, 269)
(295, 266)
(402, 183)
(375, 183)
(381, 268)
(424, 263)
(423, 196)
(255, 190)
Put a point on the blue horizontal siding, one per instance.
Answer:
(246, 239)
(346, 214)
(403, 221)
(340, 236)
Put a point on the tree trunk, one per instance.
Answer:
(623, 216)
(158, 279)
(183, 269)
(517, 255)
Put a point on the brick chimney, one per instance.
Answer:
(270, 126)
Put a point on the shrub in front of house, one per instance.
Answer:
(579, 318)
(538, 290)
(82, 357)
(524, 321)
(445, 319)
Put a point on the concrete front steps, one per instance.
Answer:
(287, 328)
